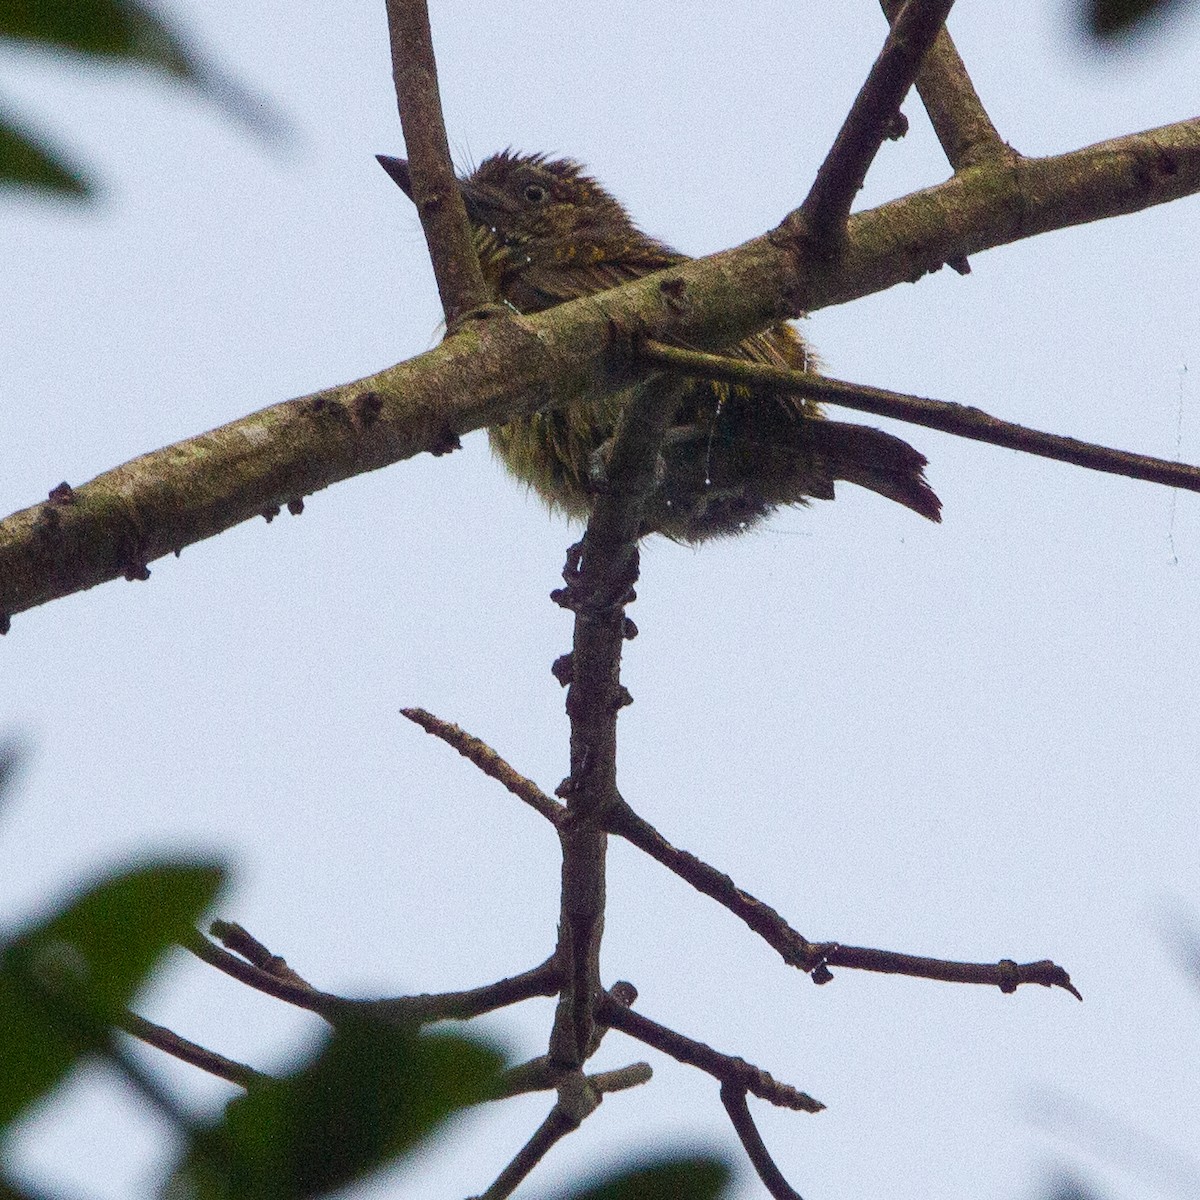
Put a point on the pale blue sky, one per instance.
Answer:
(976, 740)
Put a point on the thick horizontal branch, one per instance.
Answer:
(493, 369)
(959, 419)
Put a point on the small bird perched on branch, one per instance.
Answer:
(546, 233)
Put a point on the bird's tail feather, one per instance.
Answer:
(876, 460)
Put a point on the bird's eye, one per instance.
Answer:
(534, 193)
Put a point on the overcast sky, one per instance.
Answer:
(976, 740)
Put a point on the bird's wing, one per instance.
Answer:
(558, 282)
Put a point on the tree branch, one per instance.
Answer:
(959, 119)
(826, 208)
(958, 419)
(795, 950)
(1006, 974)
(576, 1101)
(736, 1072)
(815, 958)
(540, 1073)
(543, 980)
(126, 518)
(490, 763)
(734, 1099)
(434, 186)
(189, 1052)
(600, 573)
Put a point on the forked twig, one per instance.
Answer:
(797, 951)
(577, 1100)
(959, 119)
(542, 980)
(826, 208)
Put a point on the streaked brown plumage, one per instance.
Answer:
(546, 233)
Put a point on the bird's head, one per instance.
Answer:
(542, 207)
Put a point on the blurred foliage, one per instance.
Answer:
(372, 1094)
(700, 1178)
(66, 978)
(1108, 19)
(120, 32)
(368, 1096)
(1066, 1186)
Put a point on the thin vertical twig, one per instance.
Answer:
(600, 574)
(435, 188)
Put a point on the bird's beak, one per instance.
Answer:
(397, 168)
(479, 201)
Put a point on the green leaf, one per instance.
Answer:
(24, 162)
(372, 1094)
(63, 980)
(669, 1179)
(110, 28)
(10, 1191)
(1115, 18)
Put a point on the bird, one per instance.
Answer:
(547, 232)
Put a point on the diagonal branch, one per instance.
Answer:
(490, 763)
(126, 518)
(959, 419)
(434, 187)
(736, 1072)
(959, 119)
(299, 993)
(816, 958)
(795, 950)
(577, 1100)
(826, 208)
(734, 1100)
(171, 1043)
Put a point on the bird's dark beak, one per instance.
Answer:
(397, 168)
(478, 203)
